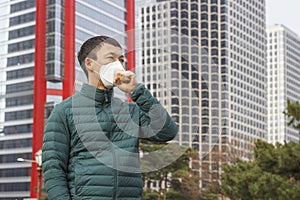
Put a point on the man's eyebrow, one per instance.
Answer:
(112, 53)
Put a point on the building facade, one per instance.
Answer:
(17, 66)
(205, 60)
(283, 81)
(17, 69)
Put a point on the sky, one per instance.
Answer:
(286, 12)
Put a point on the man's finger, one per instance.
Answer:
(127, 77)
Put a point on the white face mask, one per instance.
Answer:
(108, 73)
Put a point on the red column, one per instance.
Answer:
(39, 89)
(130, 35)
(130, 15)
(69, 57)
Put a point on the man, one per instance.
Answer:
(90, 145)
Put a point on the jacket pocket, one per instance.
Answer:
(81, 179)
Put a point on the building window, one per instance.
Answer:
(184, 14)
(19, 87)
(21, 46)
(174, 13)
(194, 24)
(204, 8)
(174, 22)
(18, 115)
(12, 187)
(205, 121)
(174, 5)
(22, 6)
(184, 5)
(15, 172)
(19, 101)
(205, 94)
(204, 17)
(184, 31)
(214, 26)
(214, 43)
(194, 15)
(194, 33)
(22, 19)
(184, 23)
(204, 25)
(204, 129)
(175, 110)
(214, 9)
(194, 7)
(21, 32)
(214, 34)
(11, 144)
(214, 17)
(21, 73)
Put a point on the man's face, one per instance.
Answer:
(107, 54)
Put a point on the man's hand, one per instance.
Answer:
(126, 81)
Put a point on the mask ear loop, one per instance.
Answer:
(92, 69)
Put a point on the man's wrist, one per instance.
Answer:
(138, 90)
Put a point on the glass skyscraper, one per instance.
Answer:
(205, 60)
(17, 68)
(17, 40)
(283, 81)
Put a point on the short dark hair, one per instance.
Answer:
(89, 47)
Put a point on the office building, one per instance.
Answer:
(283, 81)
(205, 60)
(18, 86)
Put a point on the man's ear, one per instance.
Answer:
(88, 64)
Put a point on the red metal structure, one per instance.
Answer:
(40, 88)
(130, 29)
(69, 57)
(130, 35)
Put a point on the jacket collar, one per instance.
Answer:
(101, 96)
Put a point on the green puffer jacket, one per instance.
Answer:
(90, 145)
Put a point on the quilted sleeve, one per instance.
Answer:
(154, 121)
(55, 155)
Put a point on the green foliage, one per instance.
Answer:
(274, 173)
(150, 195)
(174, 195)
(187, 187)
(293, 111)
(166, 156)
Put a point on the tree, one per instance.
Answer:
(186, 183)
(150, 195)
(175, 170)
(273, 174)
(293, 111)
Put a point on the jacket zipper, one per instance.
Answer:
(115, 187)
(114, 167)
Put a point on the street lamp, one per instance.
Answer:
(38, 161)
